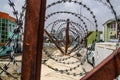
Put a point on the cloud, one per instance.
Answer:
(101, 11)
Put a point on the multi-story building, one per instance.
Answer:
(110, 30)
(7, 24)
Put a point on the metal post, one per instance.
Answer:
(33, 40)
(59, 48)
(67, 36)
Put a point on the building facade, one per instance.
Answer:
(110, 30)
(92, 37)
(7, 25)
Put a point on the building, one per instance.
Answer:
(92, 37)
(110, 30)
(7, 24)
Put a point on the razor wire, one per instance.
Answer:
(58, 2)
(61, 59)
(61, 29)
(16, 31)
(54, 13)
(66, 71)
(83, 27)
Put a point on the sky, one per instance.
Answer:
(4, 6)
(101, 11)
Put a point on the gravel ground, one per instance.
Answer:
(13, 69)
(46, 72)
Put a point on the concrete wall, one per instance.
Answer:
(103, 50)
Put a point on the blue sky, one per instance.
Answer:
(101, 11)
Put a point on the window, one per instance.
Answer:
(112, 26)
(119, 23)
(13, 25)
(3, 20)
(2, 41)
(0, 20)
(113, 37)
(9, 25)
(3, 24)
(3, 28)
(2, 36)
(6, 21)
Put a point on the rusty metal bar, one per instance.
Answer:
(54, 41)
(109, 69)
(33, 40)
(67, 36)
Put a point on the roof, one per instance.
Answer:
(6, 16)
(111, 20)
